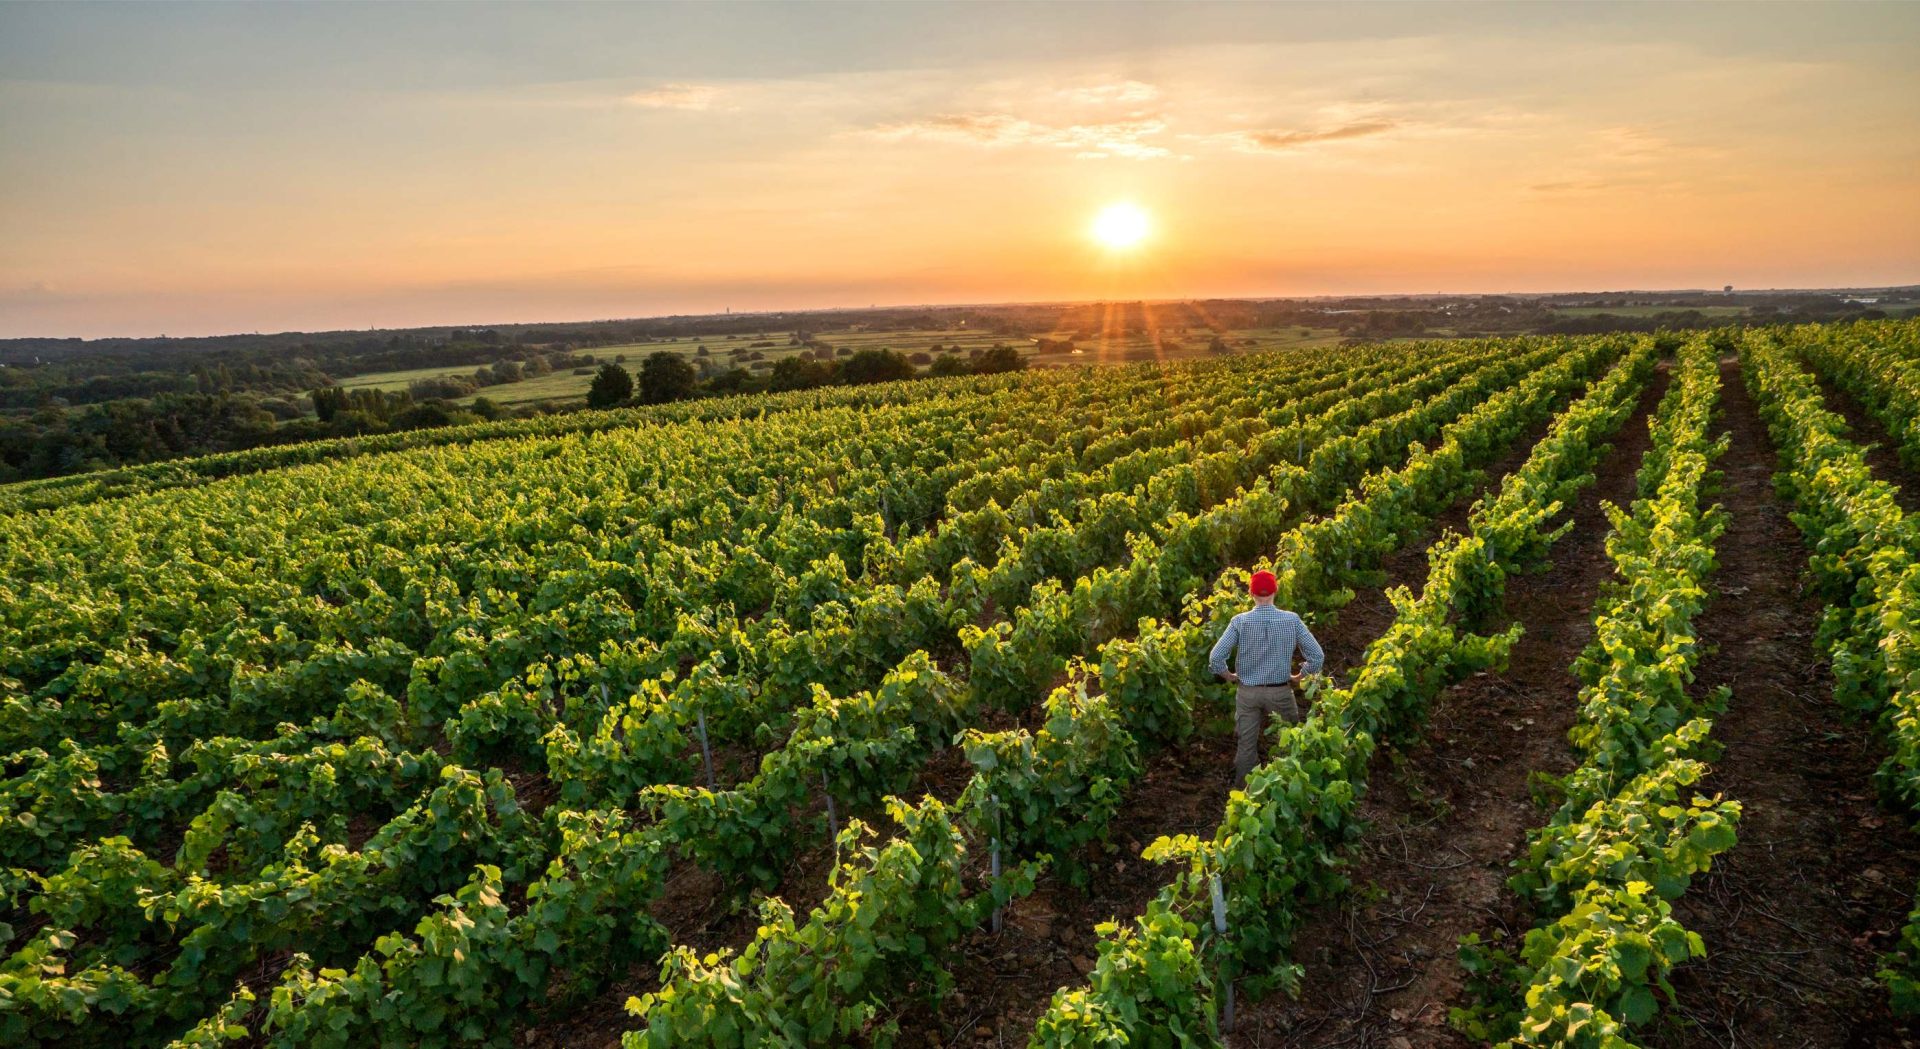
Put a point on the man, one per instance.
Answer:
(1262, 641)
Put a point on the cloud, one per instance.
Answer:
(1111, 93)
(1642, 158)
(1630, 144)
(1283, 141)
(1123, 138)
(676, 96)
(34, 292)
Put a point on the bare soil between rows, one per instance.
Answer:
(1865, 430)
(1796, 915)
(1793, 918)
(1005, 981)
(1448, 813)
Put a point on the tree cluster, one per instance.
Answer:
(667, 376)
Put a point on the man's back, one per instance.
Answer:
(1263, 640)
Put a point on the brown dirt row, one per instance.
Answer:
(1448, 813)
(1880, 447)
(1795, 915)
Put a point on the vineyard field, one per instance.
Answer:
(881, 715)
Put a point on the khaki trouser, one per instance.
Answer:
(1251, 705)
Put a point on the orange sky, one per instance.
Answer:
(191, 169)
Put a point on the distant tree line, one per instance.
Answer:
(56, 440)
(213, 409)
(667, 376)
(1676, 320)
(88, 376)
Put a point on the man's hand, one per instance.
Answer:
(1232, 678)
(1294, 681)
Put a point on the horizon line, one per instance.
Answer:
(771, 312)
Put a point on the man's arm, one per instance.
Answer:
(1217, 659)
(1310, 648)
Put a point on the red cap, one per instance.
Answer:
(1263, 584)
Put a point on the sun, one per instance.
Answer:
(1121, 226)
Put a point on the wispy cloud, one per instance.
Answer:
(1644, 183)
(32, 292)
(1284, 141)
(1111, 93)
(676, 96)
(1123, 138)
(1642, 158)
(1634, 144)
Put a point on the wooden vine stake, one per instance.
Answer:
(1220, 927)
(706, 752)
(998, 916)
(833, 819)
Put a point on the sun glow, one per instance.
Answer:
(1121, 226)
